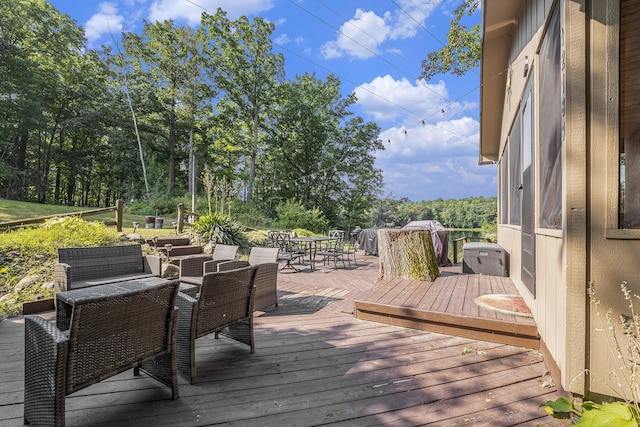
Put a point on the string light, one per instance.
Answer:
(419, 81)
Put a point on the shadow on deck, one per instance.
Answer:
(316, 365)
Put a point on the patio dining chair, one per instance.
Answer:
(333, 249)
(349, 249)
(288, 253)
(224, 306)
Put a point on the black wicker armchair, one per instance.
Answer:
(223, 306)
(107, 335)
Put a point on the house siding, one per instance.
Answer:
(590, 247)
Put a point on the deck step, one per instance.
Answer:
(493, 330)
(181, 250)
(175, 241)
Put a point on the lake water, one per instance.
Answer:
(471, 235)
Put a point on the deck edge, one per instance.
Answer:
(451, 324)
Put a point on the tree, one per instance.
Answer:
(320, 154)
(50, 91)
(247, 72)
(168, 59)
(463, 49)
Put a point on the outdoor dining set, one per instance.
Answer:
(330, 249)
(114, 312)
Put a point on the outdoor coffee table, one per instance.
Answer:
(65, 301)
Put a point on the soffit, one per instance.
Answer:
(499, 20)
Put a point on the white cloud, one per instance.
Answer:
(106, 21)
(414, 13)
(386, 99)
(431, 145)
(282, 39)
(162, 10)
(361, 36)
(450, 138)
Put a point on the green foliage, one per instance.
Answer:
(470, 213)
(463, 49)
(590, 414)
(220, 228)
(292, 214)
(625, 355)
(258, 238)
(33, 251)
(303, 232)
(158, 205)
(277, 139)
(490, 231)
(254, 218)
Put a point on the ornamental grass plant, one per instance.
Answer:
(625, 350)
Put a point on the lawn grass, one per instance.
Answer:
(12, 210)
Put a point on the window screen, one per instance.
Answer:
(515, 173)
(551, 127)
(504, 187)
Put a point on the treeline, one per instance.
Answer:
(141, 119)
(472, 212)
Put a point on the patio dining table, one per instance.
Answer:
(311, 242)
(65, 301)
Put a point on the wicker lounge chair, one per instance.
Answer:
(266, 259)
(194, 267)
(223, 306)
(107, 335)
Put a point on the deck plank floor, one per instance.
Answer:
(316, 364)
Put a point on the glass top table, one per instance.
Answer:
(65, 301)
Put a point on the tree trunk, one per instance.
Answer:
(407, 254)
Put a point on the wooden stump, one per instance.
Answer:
(407, 254)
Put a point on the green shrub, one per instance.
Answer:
(303, 232)
(250, 216)
(33, 251)
(219, 228)
(292, 215)
(258, 238)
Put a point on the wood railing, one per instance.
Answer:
(118, 209)
(182, 216)
(456, 242)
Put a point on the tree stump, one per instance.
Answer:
(407, 254)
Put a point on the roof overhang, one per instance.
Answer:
(498, 23)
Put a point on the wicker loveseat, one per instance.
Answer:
(99, 265)
(107, 335)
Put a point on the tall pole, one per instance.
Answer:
(192, 172)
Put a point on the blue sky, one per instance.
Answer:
(430, 129)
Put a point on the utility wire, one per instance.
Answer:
(412, 113)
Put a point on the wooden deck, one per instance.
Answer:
(316, 364)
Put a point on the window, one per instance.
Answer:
(504, 187)
(629, 161)
(551, 127)
(515, 172)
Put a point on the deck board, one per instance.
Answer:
(316, 365)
